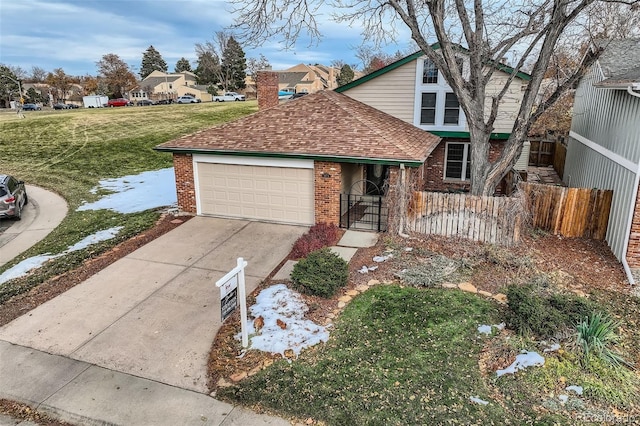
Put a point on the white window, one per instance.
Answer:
(428, 108)
(451, 109)
(429, 72)
(439, 108)
(457, 161)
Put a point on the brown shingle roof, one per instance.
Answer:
(326, 124)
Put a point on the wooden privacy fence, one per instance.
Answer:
(495, 220)
(572, 212)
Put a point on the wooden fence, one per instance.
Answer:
(495, 220)
(572, 212)
(559, 156)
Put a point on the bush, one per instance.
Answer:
(320, 274)
(319, 236)
(594, 335)
(543, 316)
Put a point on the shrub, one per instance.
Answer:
(544, 316)
(319, 236)
(320, 274)
(594, 335)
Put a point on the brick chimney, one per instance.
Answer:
(267, 89)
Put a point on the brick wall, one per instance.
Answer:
(185, 186)
(328, 184)
(267, 89)
(433, 168)
(633, 250)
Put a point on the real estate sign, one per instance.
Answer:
(232, 291)
(228, 297)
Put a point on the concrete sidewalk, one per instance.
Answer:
(40, 216)
(130, 345)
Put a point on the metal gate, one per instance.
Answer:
(363, 211)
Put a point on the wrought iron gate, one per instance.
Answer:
(365, 212)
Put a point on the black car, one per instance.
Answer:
(146, 102)
(13, 197)
(61, 106)
(31, 107)
(165, 101)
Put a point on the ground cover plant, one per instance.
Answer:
(70, 151)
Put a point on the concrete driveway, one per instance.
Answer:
(154, 313)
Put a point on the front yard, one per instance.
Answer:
(413, 354)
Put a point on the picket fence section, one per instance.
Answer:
(496, 220)
(572, 212)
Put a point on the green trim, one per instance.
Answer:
(466, 135)
(390, 162)
(501, 67)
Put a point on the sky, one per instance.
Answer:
(75, 34)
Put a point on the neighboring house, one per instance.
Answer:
(159, 85)
(604, 143)
(73, 95)
(290, 163)
(415, 91)
(303, 78)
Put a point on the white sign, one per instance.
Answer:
(231, 289)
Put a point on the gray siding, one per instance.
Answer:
(610, 118)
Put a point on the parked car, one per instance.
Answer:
(299, 95)
(165, 101)
(187, 100)
(31, 107)
(117, 102)
(146, 102)
(229, 97)
(13, 197)
(61, 106)
(73, 106)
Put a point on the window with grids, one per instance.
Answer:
(429, 72)
(458, 161)
(428, 109)
(451, 109)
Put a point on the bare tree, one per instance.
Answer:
(38, 75)
(210, 55)
(487, 30)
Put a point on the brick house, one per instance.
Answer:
(290, 163)
(604, 143)
(412, 89)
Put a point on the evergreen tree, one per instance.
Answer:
(234, 65)
(345, 76)
(182, 65)
(152, 61)
(207, 71)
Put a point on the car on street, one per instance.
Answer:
(61, 106)
(13, 197)
(31, 107)
(165, 101)
(117, 102)
(73, 106)
(146, 102)
(229, 97)
(187, 100)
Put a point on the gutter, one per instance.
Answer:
(631, 91)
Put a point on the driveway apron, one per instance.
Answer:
(154, 313)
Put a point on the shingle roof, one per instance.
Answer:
(290, 78)
(619, 56)
(323, 125)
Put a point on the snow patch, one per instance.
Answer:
(137, 193)
(366, 269)
(22, 268)
(563, 398)
(379, 259)
(488, 329)
(577, 389)
(478, 400)
(552, 348)
(524, 360)
(278, 306)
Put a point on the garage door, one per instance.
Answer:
(275, 194)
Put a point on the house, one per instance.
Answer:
(290, 163)
(303, 78)
(415, 91)
(159, 85)
(604, 143)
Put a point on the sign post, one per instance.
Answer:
(232, 288)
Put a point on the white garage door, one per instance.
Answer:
(275, 194)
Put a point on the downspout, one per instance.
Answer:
(403, 204)
(632, 208)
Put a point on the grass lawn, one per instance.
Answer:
(397, 355)
(70, 151)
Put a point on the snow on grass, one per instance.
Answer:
(488, 329)
(524, 360)
(22, 268)
(577, 389)
(478, 400)
(552, 348)
(281, 307)
(137, 193)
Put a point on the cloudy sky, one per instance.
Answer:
(74, 34)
